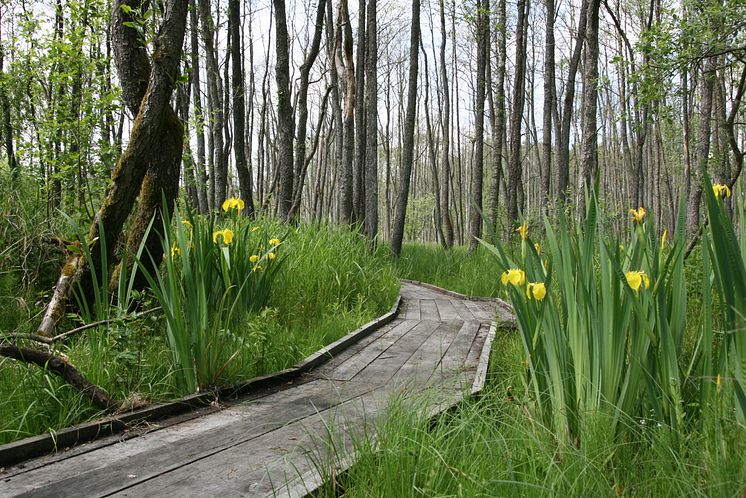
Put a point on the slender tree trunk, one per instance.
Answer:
(563, 144)
(702, 146)
(333, 49)
(347, 176)
(589, 146)
(408, 145)
(516, 118)
(285, 123)
(301, 108)
(446, 154)
(371, 128)
(239, 109)
(475, 205)
(7, 128)
(358, 191)
(198, 167)
(549, 96)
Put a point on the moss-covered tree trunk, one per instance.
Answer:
(149, 166)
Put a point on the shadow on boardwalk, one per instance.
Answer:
(266, 444)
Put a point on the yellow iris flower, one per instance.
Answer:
(233, 203)
(274, 242)
(513, 276)
(523, 230)
(721, 190)
(271, 256)
(635, 279)
(536, 290)
(226, 234)
(253, 258)
(638, 214)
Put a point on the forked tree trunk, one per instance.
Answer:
(149, 166)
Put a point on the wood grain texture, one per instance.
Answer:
(284, 441)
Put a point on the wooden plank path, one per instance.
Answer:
(275, 442)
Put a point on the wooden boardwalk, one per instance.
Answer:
(273, 443)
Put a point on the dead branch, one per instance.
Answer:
(50, 340)
(58, 304)
(63, 368)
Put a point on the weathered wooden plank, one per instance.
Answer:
(413, 310)
(463, 311)
(429, 310)
(255, 467)
(110, 468)
(387, 366)
(484, 360)
(353, 365)
(423, 362)
(447, 310)
(482, 311)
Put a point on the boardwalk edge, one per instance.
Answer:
(43, 444)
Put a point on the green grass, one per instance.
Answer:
(328, 285)
(492, 446)
(455, 269)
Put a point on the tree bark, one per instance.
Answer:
(445, 156)
(358, 189)
(285, 123)
(149, 167)
(346, 174)
(239, 109)
(516, 118)
(198, 167)
(549, 96)
(563, 145)
(589, 146)
(371, 127)
(409, 120)
(301, 108)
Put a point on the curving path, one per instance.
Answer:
(273, 442)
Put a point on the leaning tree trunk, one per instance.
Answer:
(301, 110)
(149, 166)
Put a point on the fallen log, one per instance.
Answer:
(61, 367)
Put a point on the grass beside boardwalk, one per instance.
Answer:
(454, 269)
(492, 446)
(329, 284)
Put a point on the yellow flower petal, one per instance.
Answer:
(523, 230)
(514, 276)
(226, 234)
(253, 258)
(638, 215)
(635, 279)
(536, 290)
(274, 242)
(271, 256)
